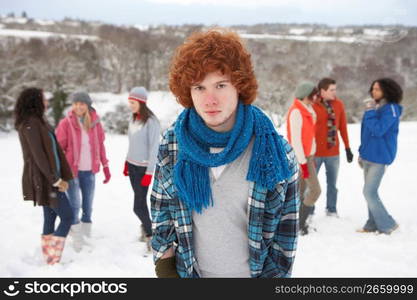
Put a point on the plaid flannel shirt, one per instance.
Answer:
(272, 219)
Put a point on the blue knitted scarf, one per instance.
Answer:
(268, 164)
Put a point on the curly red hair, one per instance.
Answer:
(211, 51)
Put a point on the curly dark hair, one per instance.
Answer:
(29, 103)
(214, 50)
(390, 88)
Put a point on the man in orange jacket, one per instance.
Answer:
(331, 119)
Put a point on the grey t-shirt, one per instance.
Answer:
(221, 232)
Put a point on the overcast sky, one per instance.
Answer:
(221, 12)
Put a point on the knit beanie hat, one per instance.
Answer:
(138, 94)
(81, 97)
(304, 89)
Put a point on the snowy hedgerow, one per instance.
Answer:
(117, 121)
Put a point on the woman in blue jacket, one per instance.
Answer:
(378, 148)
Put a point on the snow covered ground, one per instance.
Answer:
(28, 34)
(297, 34)
(334, 250)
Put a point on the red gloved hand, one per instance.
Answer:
(126, 170)
(107, 175)
(146, 180)
(304, 171)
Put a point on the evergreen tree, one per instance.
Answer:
(58, 101)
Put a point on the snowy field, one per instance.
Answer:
(334, 250)
(295, 34)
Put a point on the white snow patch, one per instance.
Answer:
(27, 34)
(14, 20)
(44, 22)
(141, 27)
(375, 32)
(317, 38)
(300, 31)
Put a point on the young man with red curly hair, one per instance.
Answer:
(225, 196)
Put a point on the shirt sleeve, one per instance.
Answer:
(286, 234)
(163, 228)
(32, 133)
(102, 137)
(379, 125)
(153, 142)
(296, 124)
(343, 126)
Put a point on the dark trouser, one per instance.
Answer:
(65, 214)
(140, 206)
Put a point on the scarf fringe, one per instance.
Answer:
(190, 187)
(271, 166)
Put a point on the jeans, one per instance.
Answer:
(378, 217)
(140, 206)
(65, 214)
(81, 194)
(331, 164)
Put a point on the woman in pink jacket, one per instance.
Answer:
(81, 136)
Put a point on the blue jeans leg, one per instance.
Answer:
(74, 197)
(331, 164)
(370, 223)
(332, 170)
(87, 185)
(379, 218)
(65, 214)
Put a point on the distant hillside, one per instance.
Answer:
(74, 54)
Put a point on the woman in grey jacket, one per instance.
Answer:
(143, 133)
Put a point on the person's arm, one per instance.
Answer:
(379, 125)
(296, 124)
(153, 141)
(286, 234)
(163, 228)
(102, 137)
(103, 157)
(344, 133)
(343, 126)
(32, 134)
